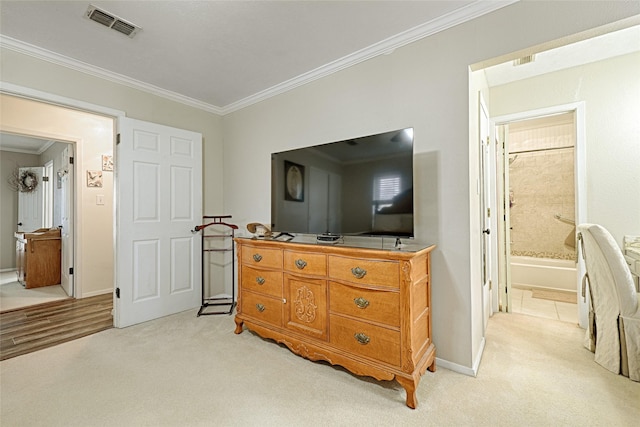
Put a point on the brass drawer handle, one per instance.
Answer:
(260, 307)
(300, 263)
(358, 272)
(260, 280)
(361, 338)
(361, 302)
(257, 257)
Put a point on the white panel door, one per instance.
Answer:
(66, 217)
(31, 203)
(159, 202)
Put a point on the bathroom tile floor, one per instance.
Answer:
(524, 303)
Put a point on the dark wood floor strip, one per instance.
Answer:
(38, 327)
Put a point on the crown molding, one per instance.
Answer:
(467, 13)
(73, 64)
(387, 46)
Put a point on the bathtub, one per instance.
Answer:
(547, 273)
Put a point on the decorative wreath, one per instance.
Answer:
(28, 181)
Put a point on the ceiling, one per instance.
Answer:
(24, 144)
(224, 55)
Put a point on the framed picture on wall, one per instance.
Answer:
(107, 163)
(94, 178)
(293, 181)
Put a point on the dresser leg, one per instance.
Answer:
(239, 323)
(410, 385)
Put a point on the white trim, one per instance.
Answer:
(38, 95)
(55, 58)
(476, 363)
(467, 13)
(465, 370)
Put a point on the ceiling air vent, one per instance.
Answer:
(524, 60)
(112, 21)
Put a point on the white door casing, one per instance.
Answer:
(159, 202)
(66, 216)
(504, 238)
(485, 209)
(31, 203)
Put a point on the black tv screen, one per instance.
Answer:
(356, 187)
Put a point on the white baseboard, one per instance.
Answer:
(465, 370)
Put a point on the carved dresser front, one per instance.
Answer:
(368, 310)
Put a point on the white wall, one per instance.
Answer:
(424, 85)
(611, 92)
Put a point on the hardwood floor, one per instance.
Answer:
(34, 328)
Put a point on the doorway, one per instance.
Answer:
(90, 205)
(540, 207)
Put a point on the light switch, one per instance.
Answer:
(100, 199)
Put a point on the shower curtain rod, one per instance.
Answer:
(541, 149)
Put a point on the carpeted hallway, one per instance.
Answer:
(187, 371)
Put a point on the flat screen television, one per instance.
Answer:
(356, 187)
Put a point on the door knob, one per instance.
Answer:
(20, 224)
(487, 231)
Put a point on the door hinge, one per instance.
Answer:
(70, 270)
(70, 160)
(488, 212)
(117, 139)
(490, 285)
(117, 292)
(45, 179)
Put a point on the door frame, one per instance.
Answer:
(580, 179)
(40, 96)
(487, 190)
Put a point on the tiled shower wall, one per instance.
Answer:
(541, 184)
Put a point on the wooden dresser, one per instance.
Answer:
(38, 258)
(368, 310)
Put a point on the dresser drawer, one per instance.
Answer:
(262, 257)
(364, 271)
(367, 304)
(262, 307)
(304, 262)
(264, 281)
(364, 339)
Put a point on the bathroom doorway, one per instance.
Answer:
(540, 211)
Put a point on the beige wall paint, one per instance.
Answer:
(611, 93)
(424, 85)
(23, 70)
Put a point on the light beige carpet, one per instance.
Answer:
(13, 295)
(553, 295)
(184, 370)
